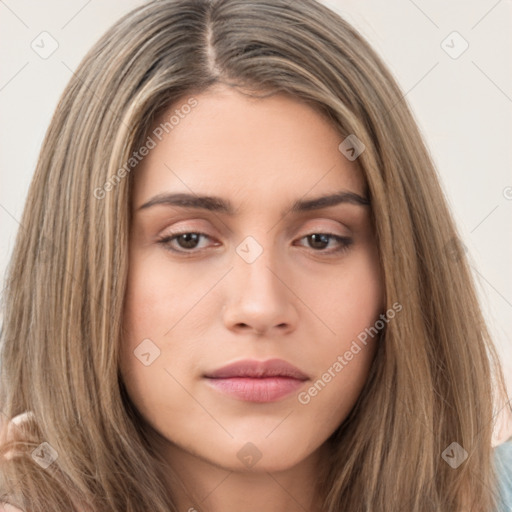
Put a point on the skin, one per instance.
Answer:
(294, 302)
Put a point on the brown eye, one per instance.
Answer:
(183, 242)
(320, 241)
(188, 240)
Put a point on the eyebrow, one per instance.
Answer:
(217, 204)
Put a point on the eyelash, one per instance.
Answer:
(344, 241)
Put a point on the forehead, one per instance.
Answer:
(231, 143)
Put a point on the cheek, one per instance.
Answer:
(147, 316)
(349, 306)
(158, 296)
(149, 292)
(348, 300)
(163, 306)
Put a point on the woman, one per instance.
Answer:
(238, 285)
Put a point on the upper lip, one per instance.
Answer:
(252, 368)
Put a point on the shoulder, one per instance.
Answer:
(5, 507)
(503, 455)
(503, 460)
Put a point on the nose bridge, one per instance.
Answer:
(255, 265)
(257, 296)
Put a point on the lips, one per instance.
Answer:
(258, 369)
(257, 381)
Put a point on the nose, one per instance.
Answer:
(259, 297)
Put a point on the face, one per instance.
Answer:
(248, 297)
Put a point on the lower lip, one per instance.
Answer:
(267, 389)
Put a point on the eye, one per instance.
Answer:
(186, 241)
(320, 241)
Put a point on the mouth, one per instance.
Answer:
(257, 381)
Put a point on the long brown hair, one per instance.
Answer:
(436, 372)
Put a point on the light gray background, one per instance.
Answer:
(463, 106)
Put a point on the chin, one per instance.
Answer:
(258, 454)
